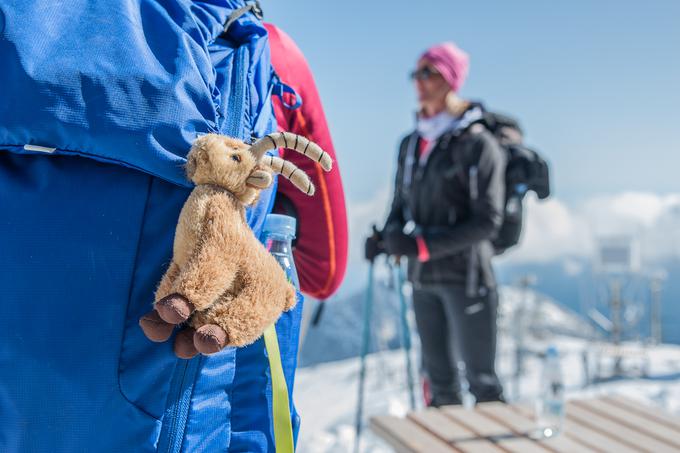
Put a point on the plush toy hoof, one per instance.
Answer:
(174, 308)
(184, 344)
(154, 327)
(210, 339)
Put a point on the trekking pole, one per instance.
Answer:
(316, 318)
(365, 343)
(405, 330)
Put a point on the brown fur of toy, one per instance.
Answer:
(222, 281)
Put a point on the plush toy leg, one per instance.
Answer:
(210, 339)
(174, 308)
(184, 344)
(241, 320)
(155, 328)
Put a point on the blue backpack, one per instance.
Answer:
(99, 104)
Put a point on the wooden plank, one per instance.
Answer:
(407, 437)
(442, 426)
(615, 430)
(478, 446)
(596, 440)
(486, 426)
(654, 413)
(451, 432)
(477, 422)
(448, 430)
(523, 424)
(635, 421)
(522, 445)
(505, 415)
(589, 437)
(563, 443)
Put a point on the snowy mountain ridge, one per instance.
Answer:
(326, 392)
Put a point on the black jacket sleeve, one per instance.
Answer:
(486, 181)
(395, 219)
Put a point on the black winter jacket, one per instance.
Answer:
(455, 200)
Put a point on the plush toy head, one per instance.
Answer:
(228, 163)
(244, 170)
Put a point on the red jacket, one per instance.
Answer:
(321, 248)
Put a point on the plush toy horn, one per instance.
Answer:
(291, 172)
(295, 142)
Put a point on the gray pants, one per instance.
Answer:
(453, 328)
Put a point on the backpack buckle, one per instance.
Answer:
(257, 10)
(253, 7)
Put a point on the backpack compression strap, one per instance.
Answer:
(283, 428)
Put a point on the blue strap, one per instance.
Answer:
(281, 88)
(278, 88)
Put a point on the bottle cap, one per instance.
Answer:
(280, 224)
(551, 352)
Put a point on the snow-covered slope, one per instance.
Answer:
(326, 393)
(339, 334)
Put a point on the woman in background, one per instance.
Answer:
(447, 206)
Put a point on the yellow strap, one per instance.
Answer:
(283, 428)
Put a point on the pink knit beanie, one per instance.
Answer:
(450, 61)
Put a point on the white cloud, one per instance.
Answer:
(552, 229)
(627, 213)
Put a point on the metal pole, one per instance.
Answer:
(616, 333)
(656, 311)
(520, 325)
(519, 338)
(365, 344)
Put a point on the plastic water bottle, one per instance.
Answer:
(279, 232)
(550, 410)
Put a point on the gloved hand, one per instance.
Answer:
(400, 244)
(374, 245)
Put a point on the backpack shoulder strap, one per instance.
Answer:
(407, 171)
(409, 161)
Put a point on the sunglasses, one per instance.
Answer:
(423, 73)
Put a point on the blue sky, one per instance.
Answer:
(595, 84)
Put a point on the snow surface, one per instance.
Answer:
(326, 394)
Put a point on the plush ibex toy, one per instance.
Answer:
(222, 284)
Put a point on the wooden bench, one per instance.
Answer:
(609, 424)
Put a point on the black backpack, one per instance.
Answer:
(526, 170)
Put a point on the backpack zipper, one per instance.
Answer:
(181, 389)
(237, 101)
(182, 385)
